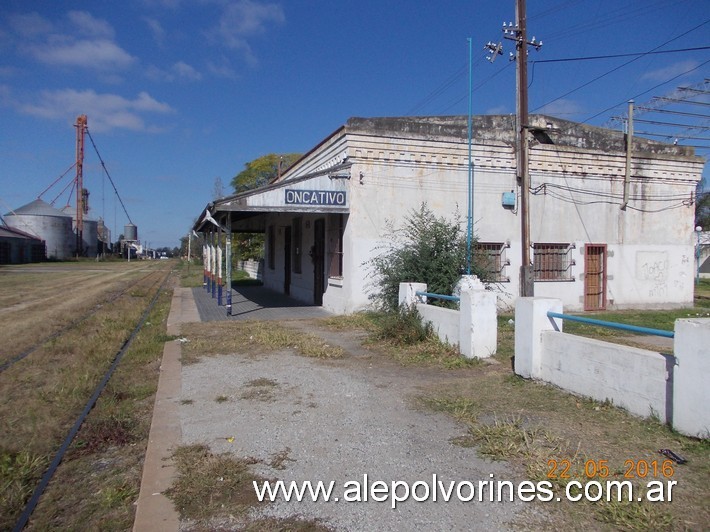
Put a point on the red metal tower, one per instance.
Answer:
(81, 194)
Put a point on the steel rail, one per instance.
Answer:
(39, 490)
(71, 325)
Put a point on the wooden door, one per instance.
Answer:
(595, 277)
(318, 261)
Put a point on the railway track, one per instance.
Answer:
(8, 359)
(48, 388)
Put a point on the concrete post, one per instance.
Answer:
(219, 269)
(407, 294)
(478, 324)
(213, 264)
(530, 320)
(691, 394)
(205, 267)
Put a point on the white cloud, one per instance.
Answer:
(29, 24)
(221, 71)
(88, 25)
(100, 54)
(671, 71)
(105, 111)
(156, 29)
(79, 40)
(244, 19)
(561, 108)
(185, 71)
(498, 110)
(179, 70)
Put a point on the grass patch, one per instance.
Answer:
(191, 274)
(221, 399)
(530, 424)
(404, 337)
(211, 486)
(291, 524)
(278, 460)
(104, 464)
(208, 339)
(20, 471)
(633, 515)
(261, 389)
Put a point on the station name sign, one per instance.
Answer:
(315, 197)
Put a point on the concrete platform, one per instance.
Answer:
(254, 303)
(154, 510)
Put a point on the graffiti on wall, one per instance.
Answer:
(652, 269)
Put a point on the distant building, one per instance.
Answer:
(51, 225)
(18, 247)
(326, 216)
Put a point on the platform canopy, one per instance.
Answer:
(324, 191)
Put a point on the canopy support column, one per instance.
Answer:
(219, 266)
(228, 258)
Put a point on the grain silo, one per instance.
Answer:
(130, 232)
(44, 221)
(90, 233)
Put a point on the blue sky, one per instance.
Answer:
(179, 93)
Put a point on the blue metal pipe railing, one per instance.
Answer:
(438, 296)
(613, 325)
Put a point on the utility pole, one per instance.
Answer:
(518, 34)
(81, 198)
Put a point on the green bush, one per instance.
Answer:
(404, 327)
(426, 249)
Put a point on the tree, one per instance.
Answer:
(427, 249)
(262, 171)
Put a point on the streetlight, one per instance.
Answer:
(698, 230)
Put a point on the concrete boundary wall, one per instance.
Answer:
(670, 386)
(254, 268)
(474, 327)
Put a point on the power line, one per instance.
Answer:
(616, 56)
(644, 92)
(622, 66)
(672, 124)
(108, 175)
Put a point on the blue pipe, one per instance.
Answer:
(613, 325)
(438, 296)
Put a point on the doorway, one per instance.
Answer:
(287, 260)
(595, 277)
(318, 261)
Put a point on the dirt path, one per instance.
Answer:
(338, 421)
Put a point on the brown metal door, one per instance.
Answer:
(318, 261)
(595, 277)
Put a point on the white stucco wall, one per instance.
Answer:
(575, 199)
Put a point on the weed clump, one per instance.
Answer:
(404, 327)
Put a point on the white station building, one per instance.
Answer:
(326, 216)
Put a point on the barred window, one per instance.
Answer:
(336, 226)
(490, 256)
(552, 262)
